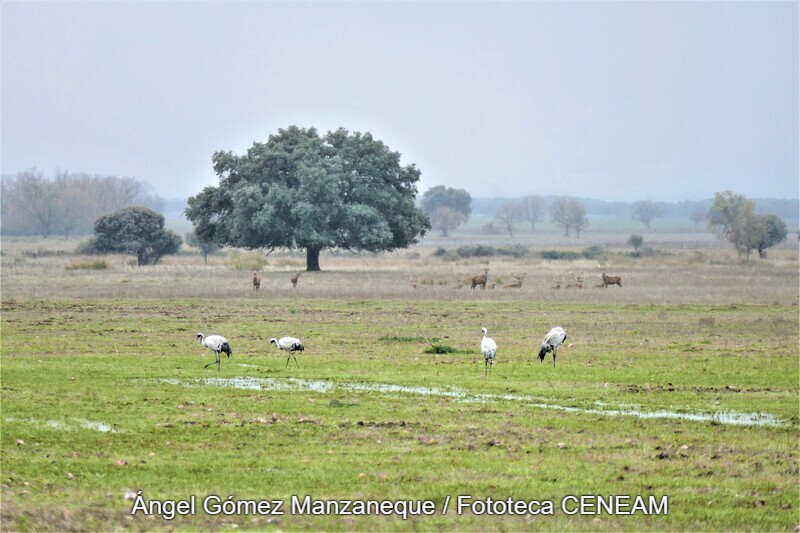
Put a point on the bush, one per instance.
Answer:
(440, 348)
(247, 260)
(97, 264)
(479, 250)
(517, 251)
(592, 252)
(560, 255)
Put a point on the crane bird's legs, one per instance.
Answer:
(214, 363)
(295, 360)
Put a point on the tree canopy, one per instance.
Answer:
(135, 230)
(300, 190)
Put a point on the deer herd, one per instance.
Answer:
(483, 281)
(605, 280)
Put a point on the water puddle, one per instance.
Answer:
(320, 386)
(66, 425)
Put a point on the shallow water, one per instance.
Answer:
(67, 425)
(602, 409)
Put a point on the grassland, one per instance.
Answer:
(684, 383)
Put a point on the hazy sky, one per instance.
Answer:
(616, 101)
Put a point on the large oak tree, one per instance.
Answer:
(300, 190)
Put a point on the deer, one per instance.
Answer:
(296, 278)
(481, 279)
(578, 281)
(609, 280)
(558, 282)
(460, 282)
(517, 284)
(256, 281)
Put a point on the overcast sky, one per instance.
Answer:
(616, 101)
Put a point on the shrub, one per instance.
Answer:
(479, 250)
(560, 255)
(592, 252)
(440, 348)
(97, 264)
(246, 260)
(517, 251)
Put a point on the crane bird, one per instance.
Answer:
(554, 338)
(216, 344)
(489, 349)
(289, 345)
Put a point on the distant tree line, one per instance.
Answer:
(694, 210)
(68, 204)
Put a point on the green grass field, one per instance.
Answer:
(682, 386)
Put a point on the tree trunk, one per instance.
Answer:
(312, 259)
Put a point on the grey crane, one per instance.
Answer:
(217, 344)
(489, 349)
(554, 338)
(289, 345)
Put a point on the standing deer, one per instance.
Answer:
(296, 278)
(482, 279)
(517, 284)
(256, 281)
(609, 280)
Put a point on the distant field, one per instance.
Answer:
(682, 384)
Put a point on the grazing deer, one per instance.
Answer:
(296, 278)
(517, 284)
(256, 281)
(414, 283)
(482, 279)
(609, 280)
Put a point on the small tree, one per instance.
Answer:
(734, 217)
(532, 208)
(559, 214)
(205, 247)
(697, 216)
(506, 216)
(576, 214)
(645, 212)
(456, 201)
(774, 231)
(135, 230)
(636, 241)
(446, 218)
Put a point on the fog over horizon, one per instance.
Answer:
(622, 101)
